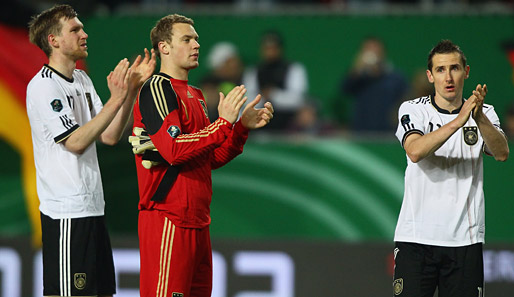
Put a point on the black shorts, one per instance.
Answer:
(454, 271)
(77, 257)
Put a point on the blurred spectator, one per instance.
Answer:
(509, 122)
(226, 70)
(376, 88)
(282, 82)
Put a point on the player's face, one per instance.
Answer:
(72, 42)
(184, 48)
(448, 75)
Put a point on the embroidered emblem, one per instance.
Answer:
(175, 294)
(174, 131)
(189, 95)
(56, 105)
(89, 101)
(470, 135)
(398, 286)
(80, 280)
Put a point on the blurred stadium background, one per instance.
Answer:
(295, 215)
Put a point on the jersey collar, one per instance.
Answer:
(440, 110)
(70, 80)
(171, 78)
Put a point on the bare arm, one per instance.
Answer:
(495, 141)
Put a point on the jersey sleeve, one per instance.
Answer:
(410, 120)
(53, 107)
(492, 116)
(231, 147)
(161, 116)
(490, 113)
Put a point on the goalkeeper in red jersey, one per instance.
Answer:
(176, 148)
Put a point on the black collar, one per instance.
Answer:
(60, 74)
(164, 74)
(439, 109)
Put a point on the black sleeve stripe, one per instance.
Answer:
(408, 126)
(411, 132)
(66, 122)
(66, 134)
(156, 100)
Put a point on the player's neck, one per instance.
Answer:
(174, 71)
(449, 104)
(63, 65)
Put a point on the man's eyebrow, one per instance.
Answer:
(77, 26)
(189, 36)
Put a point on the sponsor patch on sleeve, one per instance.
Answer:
(405, 119)
(56, 105)
(174, 131)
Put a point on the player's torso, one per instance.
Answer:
(465, 143)
(78, 93)
(192, 108)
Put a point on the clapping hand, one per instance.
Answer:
(254, 118)
(142, 69)
(479, 94)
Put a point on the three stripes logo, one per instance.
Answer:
(66, 122)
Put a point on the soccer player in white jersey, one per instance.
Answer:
(440, 230)
(66, 118)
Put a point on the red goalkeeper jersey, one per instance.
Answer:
(175, 116)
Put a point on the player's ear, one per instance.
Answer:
(52, 40)
(164, 47)
(467, 70)
(430, 77)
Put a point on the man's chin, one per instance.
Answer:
(193, 65)
(81, 55)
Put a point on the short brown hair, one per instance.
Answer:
(163, 29)
(445, 46)
(49, 22)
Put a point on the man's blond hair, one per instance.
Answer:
(163, 29)
(49, 22)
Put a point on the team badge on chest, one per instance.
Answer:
(204, 107)
(89, 101)
(470, 135)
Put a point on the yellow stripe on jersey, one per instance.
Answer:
(165, 258)
(158, 96)
(185, 107)
(211, 129)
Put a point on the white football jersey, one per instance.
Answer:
(68, 185)
(443, 202)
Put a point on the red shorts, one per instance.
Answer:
(175, 261)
